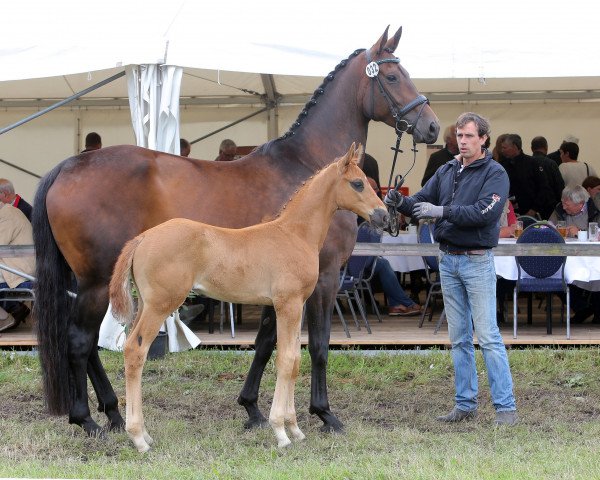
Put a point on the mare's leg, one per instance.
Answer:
(264, 344)
(319, 307)
(283, 410)
(107, 399)
(135, 352)
(82, 339)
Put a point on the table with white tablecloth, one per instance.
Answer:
(403, 263)
(581, 271)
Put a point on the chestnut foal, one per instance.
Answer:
(273, 263)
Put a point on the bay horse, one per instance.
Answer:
(274, 263)
(91, 204)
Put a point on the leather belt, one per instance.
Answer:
(448, 249)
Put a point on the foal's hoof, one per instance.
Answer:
(116, 426)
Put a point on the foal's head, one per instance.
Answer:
(354, 192)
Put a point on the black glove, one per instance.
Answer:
(393, 199)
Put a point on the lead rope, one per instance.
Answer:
(394, 224)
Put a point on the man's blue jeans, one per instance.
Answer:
(394, 292)
(469, 289)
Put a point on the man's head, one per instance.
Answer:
(511, 146)
(93, 141)
(227, 149)
(184, 147)
(569, 151)
(450, 139)
(573, 198)
(7, 191)
(592, 185)
(472, 132)
(539, 144)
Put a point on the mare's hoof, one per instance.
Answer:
(116, 426)
(333, 428)
(254, 423)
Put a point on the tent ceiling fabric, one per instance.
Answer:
(224, 47)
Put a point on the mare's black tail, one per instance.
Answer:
(53, 308)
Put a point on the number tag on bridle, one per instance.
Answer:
(372, 69)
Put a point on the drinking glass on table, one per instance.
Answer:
(561, 226)
(518, 228)
(593, 231)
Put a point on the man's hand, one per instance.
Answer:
(427, 210)
(393, 198)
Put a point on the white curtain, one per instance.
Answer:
(154, 103)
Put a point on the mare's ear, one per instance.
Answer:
(380, 44)
(392, 43)
(346, 159)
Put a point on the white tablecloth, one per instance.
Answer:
(581, 271)
(403, 263)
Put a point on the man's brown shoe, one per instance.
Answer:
(413, 309)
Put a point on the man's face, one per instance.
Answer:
(4, 198)
(509, 149)
(571, 207)
(228, 153)
(469, 142)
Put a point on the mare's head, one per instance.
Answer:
(390, 96)
(353, 191)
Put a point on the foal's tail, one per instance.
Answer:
(53, 308)
(121, 298)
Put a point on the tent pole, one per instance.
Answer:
(61, 103)
(230, 125)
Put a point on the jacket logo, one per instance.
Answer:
(495, 200)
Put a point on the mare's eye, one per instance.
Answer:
(358, 185)
(391, 78)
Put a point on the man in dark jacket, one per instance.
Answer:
(539, 149)
(466, 196)
(528, 183)
(437, 159)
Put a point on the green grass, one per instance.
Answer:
(387, 401)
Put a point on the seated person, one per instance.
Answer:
(576, 208)
(15, 230)
(399, 303)
(508, 221)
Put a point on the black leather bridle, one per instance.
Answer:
(401, 126)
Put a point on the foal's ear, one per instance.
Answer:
(347, 158)
(358, 153)
(380, 44)
(392, 43)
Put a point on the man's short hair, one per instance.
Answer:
(6, 186)
(515, 139)
(226, 144)
(571, 148)
(575, 193)
(483, 126)
(92, 139)
(539, 143)
(590, 182)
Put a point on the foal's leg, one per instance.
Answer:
(283, 410)
(265, 344)
(135, 352)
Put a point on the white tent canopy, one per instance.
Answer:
(465, 49)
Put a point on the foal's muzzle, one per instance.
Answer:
(379, 218)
